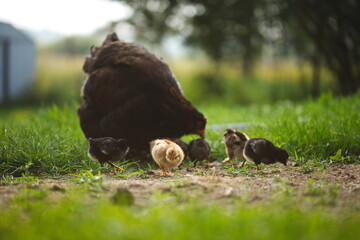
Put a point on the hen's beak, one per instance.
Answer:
(201, 133)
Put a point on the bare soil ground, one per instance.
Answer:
(341, 182)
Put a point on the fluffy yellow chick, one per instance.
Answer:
(166, 154)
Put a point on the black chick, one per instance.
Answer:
(260, 150)
(107, 150)
(130, 91)
(199, 150)
(234, 145)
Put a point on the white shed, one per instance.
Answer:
(17, 61)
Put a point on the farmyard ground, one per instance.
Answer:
(335, 185)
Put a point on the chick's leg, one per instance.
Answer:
(164, 173)
(116, 167)
(207, 164)
(228, 160)
(230, 157)
(243, 163)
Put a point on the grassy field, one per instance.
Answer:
(59, 78)
(325, 131)
(76, 201)
(48, 143)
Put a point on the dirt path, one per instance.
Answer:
(216, 184)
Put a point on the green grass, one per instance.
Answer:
(312, 130)
(48, 141)
(204, 82)
(34, 214)
(324, 131)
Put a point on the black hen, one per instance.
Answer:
(260, 150)
(107, 150)
(199, 150)
(132, 94)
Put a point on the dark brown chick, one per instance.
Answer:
(130, 92)
(107, 150)
(260, 150)
(199, 150)
(234, 145)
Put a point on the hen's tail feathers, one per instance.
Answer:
(111, 37)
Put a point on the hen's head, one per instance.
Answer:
(198, 124)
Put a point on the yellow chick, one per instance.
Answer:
(166, 154)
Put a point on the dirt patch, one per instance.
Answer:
(341, 183)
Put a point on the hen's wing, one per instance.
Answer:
(131, 92)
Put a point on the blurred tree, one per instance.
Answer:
(325, 32)
(294, 42)
(223, 29)
(152, 18)
(72, 45)
(333, 28)
(228, 29)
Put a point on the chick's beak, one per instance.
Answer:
(285, 163)
(152, 143)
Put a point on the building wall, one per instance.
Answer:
(22, 67)
(1, 72)
(21, 61)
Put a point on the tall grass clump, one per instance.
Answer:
(320, 130)
(49, 141)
